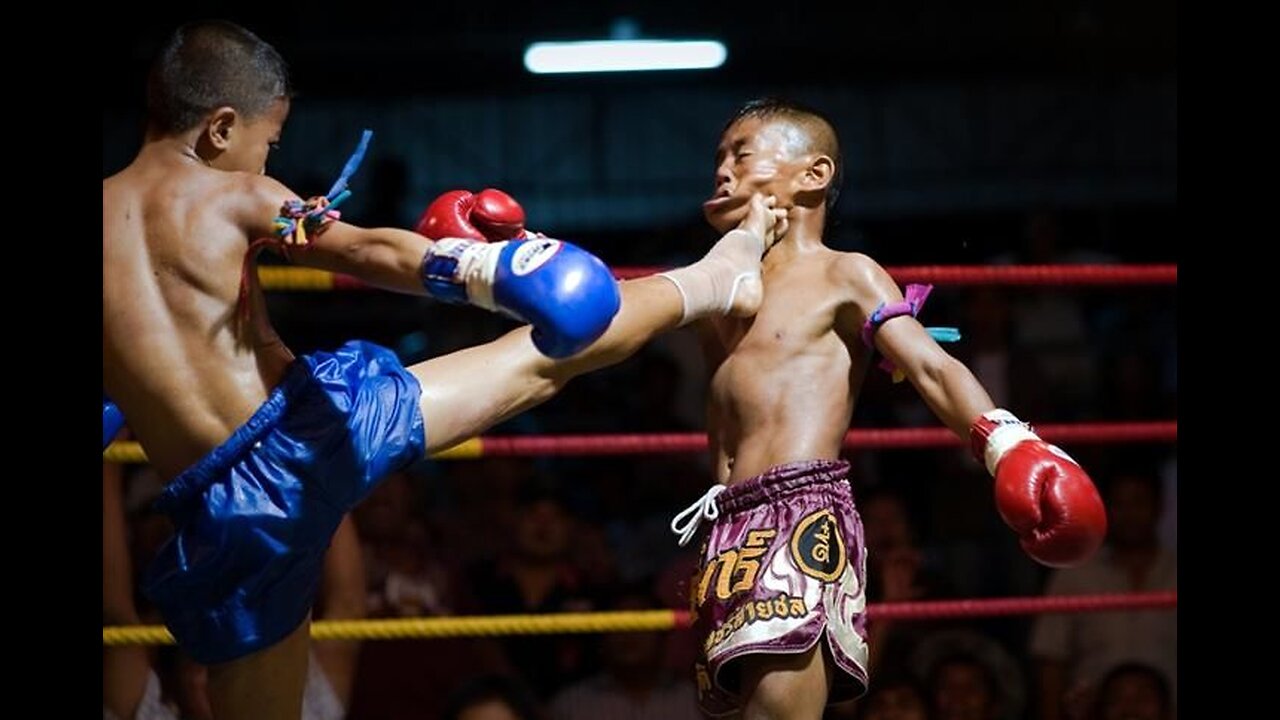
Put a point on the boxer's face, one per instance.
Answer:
(245, 142)
(765, 156)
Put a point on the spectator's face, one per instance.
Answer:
(1133, 697)
(896, 703)
(634, 651)
(884, 524)
(962, 693)
(385, 513)
(988, 314)
(1132, 512)
(542, 531)
(489, 710)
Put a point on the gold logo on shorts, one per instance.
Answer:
(735, 569)
(817, 548)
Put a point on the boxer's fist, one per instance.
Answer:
(489, 215)
(1044, 495)
(567, 294)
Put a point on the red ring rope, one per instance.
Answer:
(1007, 275)
(633, 444)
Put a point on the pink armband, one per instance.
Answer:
(914, 300)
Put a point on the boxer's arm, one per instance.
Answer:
(945, 384)
(1041, 493)
(388, 258)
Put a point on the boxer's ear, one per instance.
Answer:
(221, 125)
(820, 173)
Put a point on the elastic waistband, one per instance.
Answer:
(780, 481)
(191, 483)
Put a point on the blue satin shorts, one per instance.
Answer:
(254, 518)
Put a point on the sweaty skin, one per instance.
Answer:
(786, 386)
(185, 363)
(785, 382)
(173, 243)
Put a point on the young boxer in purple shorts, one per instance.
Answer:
(780, 594)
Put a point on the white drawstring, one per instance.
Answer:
(686, 523)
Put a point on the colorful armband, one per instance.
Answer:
(911, 305)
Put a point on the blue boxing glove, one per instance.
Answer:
(567, 294)
(112, 421)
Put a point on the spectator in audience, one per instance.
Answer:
(131, 690)
(635, 682)
(410, 574)
(895, 697)
(534, 575)
(492, 697)
(1133, 691)
(1074, 651)
(403, 577)
(962, 687)
(895, 573)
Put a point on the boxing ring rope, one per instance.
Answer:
(283, 277)
(657, 620)
(1107, 433)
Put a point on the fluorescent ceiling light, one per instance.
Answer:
(623, 55)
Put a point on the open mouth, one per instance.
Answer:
(722, 197)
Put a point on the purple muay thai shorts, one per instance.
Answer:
(783, 567)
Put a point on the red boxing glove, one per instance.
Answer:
(1044, 495)
(490, 215)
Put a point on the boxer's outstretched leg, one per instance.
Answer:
(467, 392)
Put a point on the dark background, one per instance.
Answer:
(972, 133)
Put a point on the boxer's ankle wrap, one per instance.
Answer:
(702, 284)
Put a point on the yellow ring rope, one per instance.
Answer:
(284, 277)
(552, 624)
(131, 452)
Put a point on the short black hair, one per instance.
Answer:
(1136, 466)
(964, 658)
(822, 132)
(206, 65)
(493, 687)
(892, 679)
(1133, 669)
